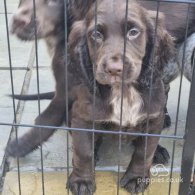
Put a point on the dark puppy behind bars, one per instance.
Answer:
(50, 26)
(176, 15)
(144, 54)
(176, 18)
(49, 19)
(53, 32)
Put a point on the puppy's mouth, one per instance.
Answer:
(25, 36)
(115, 79)
(25, 33)
(106, 79)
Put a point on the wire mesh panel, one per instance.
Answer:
(113, 62)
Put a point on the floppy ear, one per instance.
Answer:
(159, 49)
(80, 62)
(77, 33)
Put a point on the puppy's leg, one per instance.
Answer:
(98, 143)
(53, 115)
(161, 155)
(134, 180)
(167, 120)
(81, 181)
(136, 177)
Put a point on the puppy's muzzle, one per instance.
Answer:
(19, 21)
(114, 69)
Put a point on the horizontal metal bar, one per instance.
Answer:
(14, 68)
(174, 1)
(116, 132)
(24, 68)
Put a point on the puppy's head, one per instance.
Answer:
(49, 14)
(105, 36)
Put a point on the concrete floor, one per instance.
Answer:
(54, 155)
(55, 184)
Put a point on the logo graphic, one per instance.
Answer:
(159, 170)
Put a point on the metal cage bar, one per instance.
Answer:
(179, 100)
(38, 91)
(12, 88)
(189, 144)
(66, 85)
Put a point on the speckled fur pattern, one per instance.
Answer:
(189, 55)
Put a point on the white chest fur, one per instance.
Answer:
(131, 109)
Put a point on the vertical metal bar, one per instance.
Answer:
(151, 84)
(12, 87)
(66, 84)
(178, 103)
(38, 90)
(94, 91)
(189, 144)
(122, 90)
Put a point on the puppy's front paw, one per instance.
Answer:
(134, 185)
(167, 121)
(81, 185)
(19, 148)
(161, 155)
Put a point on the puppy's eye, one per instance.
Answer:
(133, 33)
(97, 36)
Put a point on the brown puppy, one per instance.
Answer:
(48, 24)
(50, 27)
(174, 24)
(49, 19)
(110, 66)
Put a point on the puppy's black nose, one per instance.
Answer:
(114, 68)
